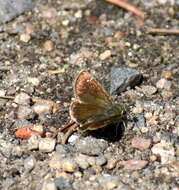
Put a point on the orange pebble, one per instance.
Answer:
(27, 131)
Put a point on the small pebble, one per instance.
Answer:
(166, 74)
(78, 174)
(109, 182)
(166, 94)
(130, 94)
(88, 54)
(29, 163)
(91, 160)
(135, 164)
(55, 161)
(141, 143)
(25, 37)
(140, 122)
(78, 14)
(62, 183)
(144, 130)
(97, 168)
(69, 165)
(47, 144)
(26, 132)
(33, 142)
(82, 161)
(138, 108)
(100, 160)
(111, 164)
(22, 98)
(48, 12)
(165, 150)
(153, 158)
(25, 112)
(65, 22)
(73, 138)
(49, 185)
(33, 80)
(43, 107)
(2, 92)
(105, 55)
(29, 29)
(119, 35)
(91, 146)
(136, 46)
(149, 90)
(48, 45)
(164, 84)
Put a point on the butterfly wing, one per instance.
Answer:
(112, 114)
(90, 98)
(89, 90)
(92, 108)
(81, 112)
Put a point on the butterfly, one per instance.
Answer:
(92, 107)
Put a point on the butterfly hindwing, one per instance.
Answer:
(81, 112)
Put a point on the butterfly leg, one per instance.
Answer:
(66, 126)
(69, 132)
(63, 129)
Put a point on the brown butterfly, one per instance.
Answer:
(92, 107)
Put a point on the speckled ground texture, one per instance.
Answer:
(42, 51)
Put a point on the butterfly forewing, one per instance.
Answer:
(88, 90)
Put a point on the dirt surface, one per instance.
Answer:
(42, 51)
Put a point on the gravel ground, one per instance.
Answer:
(42, 51)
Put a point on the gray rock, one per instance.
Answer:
(121, 78)
(9, 9)
(62, 149)
(100, 160)
(91, 146)
(82, 161)
(62, 183)
(29, 163)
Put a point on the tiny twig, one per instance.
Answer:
(162, 31)
(127, 6)
(7, 97)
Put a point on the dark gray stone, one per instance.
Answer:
(121, 78)
(9, 9)
(62, 183)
